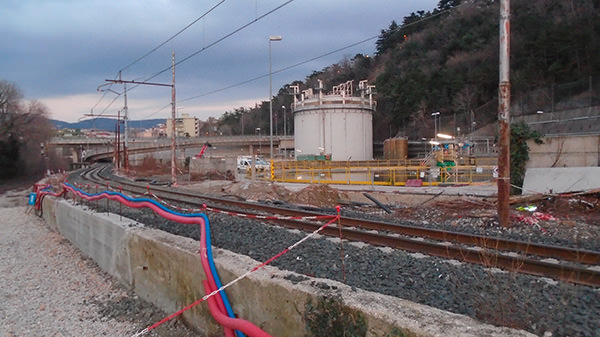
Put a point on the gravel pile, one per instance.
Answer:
(49, 289)
(541, 306)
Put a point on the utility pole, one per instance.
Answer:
(173, 148)
(172, 85)
(125, 143)
(504, 116)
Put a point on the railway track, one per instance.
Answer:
(559, 263)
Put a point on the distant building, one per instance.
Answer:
(185, 126)
(154, 132)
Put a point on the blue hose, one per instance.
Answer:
(211, 262)
(213, 269)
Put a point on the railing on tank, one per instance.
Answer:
(383, 172)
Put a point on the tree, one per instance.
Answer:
(448, 4)
(10, 96)
(386, 38)
(519, 152)
(23, 127)
(449, 63)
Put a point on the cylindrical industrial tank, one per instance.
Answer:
(396, 142)
(401, 148)
(395, 148)
(386, 149)
(336, 125)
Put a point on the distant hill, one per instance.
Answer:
(107, 124)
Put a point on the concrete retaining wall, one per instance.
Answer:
(561, 179)
(206, 164)
(565, 151)
(165, 269)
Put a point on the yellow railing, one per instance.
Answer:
(379, 172)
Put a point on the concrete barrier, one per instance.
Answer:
(165, 270)
(561, 179)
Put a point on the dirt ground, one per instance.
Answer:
(450, 204)
(434, 206)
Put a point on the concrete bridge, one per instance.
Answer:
(79, 150)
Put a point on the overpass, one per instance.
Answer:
(100, 149)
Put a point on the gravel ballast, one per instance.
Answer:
(538, 305)
(542, 306)
(49, 289)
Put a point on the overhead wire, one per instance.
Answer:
(172, 37)
(276, 71)
(102, 97)
(108, 106)
(313, 58)
(222, 38)
(152, 51)
(94, 118)
(400, 28)
(299, 63)
(210, 45)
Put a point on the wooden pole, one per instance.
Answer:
(504, 116)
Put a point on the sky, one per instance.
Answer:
(59, 52)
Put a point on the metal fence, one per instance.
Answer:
(382, 172)
(582, 93)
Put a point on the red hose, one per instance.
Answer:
(40, 196)
(238, 324)
(216, 311)
(211, 281)
(215, 303)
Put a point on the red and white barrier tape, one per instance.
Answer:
(168, 204)
(262, 265)
(238, 214)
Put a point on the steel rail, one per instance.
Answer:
(488, 258)
(527, 248)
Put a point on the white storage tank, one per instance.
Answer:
(336, 124)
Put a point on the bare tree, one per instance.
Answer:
(465, 101)
(10, 96)
(23, 127)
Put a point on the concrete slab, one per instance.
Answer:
(561, 179)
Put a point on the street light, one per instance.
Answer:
(284, 131)
(271, 38)
(444, 136)
(284, 118)
(258, 132)
(435, 114)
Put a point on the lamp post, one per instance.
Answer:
(271, 38)
(284, 118)
(435, 114)
(258, 132)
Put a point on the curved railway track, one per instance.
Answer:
(560, 263)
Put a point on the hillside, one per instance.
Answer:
(106, 124)
(446, 59)
(449, 61)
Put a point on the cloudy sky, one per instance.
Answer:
(60, 51)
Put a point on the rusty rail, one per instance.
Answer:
(485, 251)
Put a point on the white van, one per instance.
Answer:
(244, 163)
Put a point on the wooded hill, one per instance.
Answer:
(446, 59)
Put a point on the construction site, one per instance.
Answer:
(414, 244)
